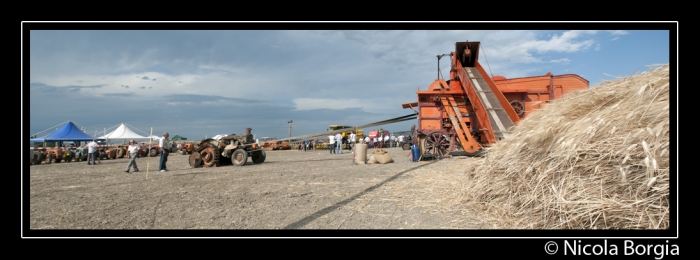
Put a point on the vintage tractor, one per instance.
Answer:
(187, 148)
(232, 149)
(54, 155)
(276, 145)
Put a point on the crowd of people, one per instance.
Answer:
(337, 142)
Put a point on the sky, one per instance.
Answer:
(197, 83)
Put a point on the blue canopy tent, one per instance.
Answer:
(68, 133)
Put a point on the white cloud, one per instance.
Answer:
(562, 61)
(617, 32)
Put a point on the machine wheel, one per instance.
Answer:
(112, 154)
(195, 160)
(68, 156)
(49, 159)
(210, 156)
(437, 143)
(121, 152)
(153, 152)
(406, 146)
(258, 157)
(518, 106)
(239, 157)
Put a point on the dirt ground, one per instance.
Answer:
(290, 190)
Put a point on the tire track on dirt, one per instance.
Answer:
(303, 222)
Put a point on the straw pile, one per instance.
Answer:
(594, 159)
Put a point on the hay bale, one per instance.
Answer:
(594, 159)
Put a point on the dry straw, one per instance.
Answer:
(594, 159)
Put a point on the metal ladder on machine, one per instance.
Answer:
(469, 144)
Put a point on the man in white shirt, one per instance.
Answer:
(133, 150)
(331, 144)
(386, 141)
(339, 143)
(164, 146)
(92, 150)
(367, 141)
(393, 141)
(401, 140)
(351, 141)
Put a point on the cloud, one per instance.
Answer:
(562, 61)
(617, 32)
(130, 94)
(154, 79)
(145, 78)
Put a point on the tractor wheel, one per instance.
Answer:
(42, 157)
(258, 157)
(210, 156)
(153, 152)
(406, 146)
(112, 154)
(121, 152)
(68, 156)
(239, 157)
(49, 159)
(195, 160)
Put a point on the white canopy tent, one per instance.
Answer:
(123, 132)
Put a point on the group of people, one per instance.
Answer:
(336, 142)
(133, 149)
(307, 145)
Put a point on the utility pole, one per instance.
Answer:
(290, 128)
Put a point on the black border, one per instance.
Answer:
(671, 233)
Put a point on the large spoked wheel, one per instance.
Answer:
(518, 106)
(239, 157)
(258, 157)
(210, 156)
(406, 146)
(437, 143)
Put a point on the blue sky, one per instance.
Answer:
(195, 82)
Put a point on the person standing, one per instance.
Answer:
(133, 149)
(352, 141)
(164, 146)
(339, 143)
(386, 143)
(92, 150)
(331, 144)
(367, 141)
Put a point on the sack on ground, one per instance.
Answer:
(371, 159)
(382, 156)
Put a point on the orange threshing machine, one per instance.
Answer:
(471, 110)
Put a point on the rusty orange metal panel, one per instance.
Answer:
(430, 112)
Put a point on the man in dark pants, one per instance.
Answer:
(164, 151)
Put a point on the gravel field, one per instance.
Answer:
(291, 190)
